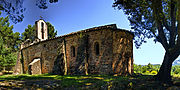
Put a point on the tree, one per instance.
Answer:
(137, 68)
(30, 32)
(7, 56)
(51, 30)
(15, 8)
(10, 39)
(159, 19)
(150, 67)
(9, 42)
(176, 69)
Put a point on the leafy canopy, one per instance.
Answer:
(51, 30)
(148, 17)
(9, 43)
(29, 33)
(15, 8)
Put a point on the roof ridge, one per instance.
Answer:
(112, 26)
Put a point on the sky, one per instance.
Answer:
(73, 15)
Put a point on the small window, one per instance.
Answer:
(96, 47)
(72, 51)
(42, 29)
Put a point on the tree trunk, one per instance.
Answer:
(164, 74)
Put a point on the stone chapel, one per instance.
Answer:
(99, 50)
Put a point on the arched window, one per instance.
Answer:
(73, 53)
(42, 29)
(96, 47)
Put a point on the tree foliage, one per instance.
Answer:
(176, 69)
(144, 69)
(159, 19)
(10, 39)
(51, 30)
(15, 8)
(9, 42)
(143, 16)
(29, 33)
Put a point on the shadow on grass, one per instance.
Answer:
(90, 81)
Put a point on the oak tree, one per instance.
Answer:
(159, 19)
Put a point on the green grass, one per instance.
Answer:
(68, 80)
(94, 81)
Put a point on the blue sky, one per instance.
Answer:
(73, 15)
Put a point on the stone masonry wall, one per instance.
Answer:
(102, 51)
(47, 51)
(76, 63)
(122, 52)
(100, 64)
(85, 59)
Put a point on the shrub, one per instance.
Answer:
(153, 72)
(147, 72)
(177, 71)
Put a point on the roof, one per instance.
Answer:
(111, 26)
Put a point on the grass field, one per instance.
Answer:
(90, 81)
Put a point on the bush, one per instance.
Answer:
(7, 72)
(147, 72)
(177, 71)
(153, 72)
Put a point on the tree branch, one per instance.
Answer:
(162, 37)
(158, 15)
(173, 25)
(165, 24)
(175, 54)
(176, 50)
(178, 21)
